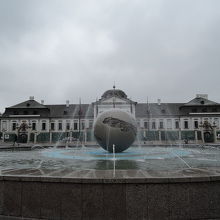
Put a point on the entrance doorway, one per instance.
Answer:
(22, 138)
(208, 137)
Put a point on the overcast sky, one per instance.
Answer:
(58, 49)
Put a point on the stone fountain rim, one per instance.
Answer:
(211, 178)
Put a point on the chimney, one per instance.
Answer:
(42, 102)
(67, 103)
(31, 97)
(158, 101)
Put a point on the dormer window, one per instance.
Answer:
(214, 110)
(202, 102)
(28, 104)
(35, 112)
(163, 111)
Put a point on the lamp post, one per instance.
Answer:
(179, 130)
(79, 114)
(114, 96)
(202, 132)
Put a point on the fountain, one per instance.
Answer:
(118, 181)
(115, 127)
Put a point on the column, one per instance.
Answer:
(202, 134)
(35, 137)
(196, 136)
(159, 135)
(85, 131)
(214, 134)
(3, 136)
(50, 137)
(179, 135)
(28, 136)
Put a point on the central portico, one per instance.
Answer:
(114, 98)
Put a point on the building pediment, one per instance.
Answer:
(116, 96)
(201, 100)
(114, 100)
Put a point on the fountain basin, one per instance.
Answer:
(147, 183)
(97, 198)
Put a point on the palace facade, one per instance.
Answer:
(196, 121)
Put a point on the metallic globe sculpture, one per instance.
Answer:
(115, 128)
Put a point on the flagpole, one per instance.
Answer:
(114, 95)
(79, 113)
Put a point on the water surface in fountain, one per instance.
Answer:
(90, 162)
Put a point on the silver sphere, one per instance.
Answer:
(115, 127)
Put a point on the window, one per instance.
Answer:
(68, 126)
(43, 126)
(52, 126)
(163, 111)
(196, 124)
(33, 126)
(177, 124)
(13, 126)
(161, 125)
(186, 124)
(169, 124)
(146, 125)
(4, 125)
(60, 126)
(90, 124)
(75, 126)
(153, 125)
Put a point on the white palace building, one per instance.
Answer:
(196, 121)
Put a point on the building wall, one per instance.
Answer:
(168, 132)
(149, 127)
